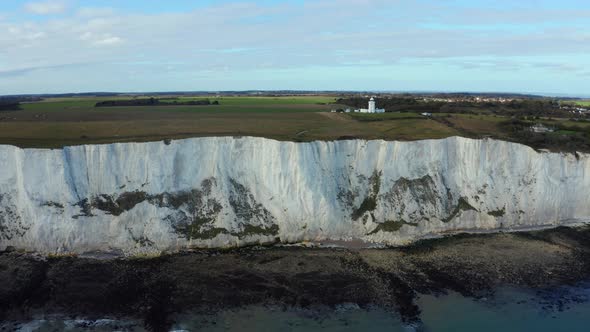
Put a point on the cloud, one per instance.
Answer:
(101, 39)
(108, 40)
(27, 70)
(92, 12)
(238, 37)
(46, 7)
(519, 64)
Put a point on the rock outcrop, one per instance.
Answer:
(223, 191)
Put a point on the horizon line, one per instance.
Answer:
(301, 91)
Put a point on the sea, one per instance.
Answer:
(509, 309)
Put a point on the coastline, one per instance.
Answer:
(207, 281)
(225, 192)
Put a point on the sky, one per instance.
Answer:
(526, 46)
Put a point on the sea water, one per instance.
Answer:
(509, 309)
(562, 309)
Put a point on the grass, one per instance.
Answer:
(481, 125)
(260, 101)
(227, 104)
(370, 202)
(498, 213)
(58, 122)
(565, 123)
(298, 126)
(462, 205)
(385, 116)
(566, 132)
(583, 103)
(475, 124)
(296, 103)
(391, 226)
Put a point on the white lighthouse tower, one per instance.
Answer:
(372, 105)
(372, 108)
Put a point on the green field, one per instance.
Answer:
(227, 104)
(58, 122)
(576, 102)
(385, 116)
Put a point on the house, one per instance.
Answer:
(540, 128)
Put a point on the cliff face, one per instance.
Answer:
(219, 192)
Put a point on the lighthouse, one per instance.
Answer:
(372, 105)
(372, 108)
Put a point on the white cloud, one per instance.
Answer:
(46, 7)
(237, 37)
(246, 35)
(101, 39)
(92, 12)
(108, 40)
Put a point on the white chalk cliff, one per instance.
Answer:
(223, 191)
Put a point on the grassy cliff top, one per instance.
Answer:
(57, 122)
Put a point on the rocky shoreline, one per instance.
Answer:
(154, 288)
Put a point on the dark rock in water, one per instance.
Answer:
(207, 281)
(9, 249)
(21, 277)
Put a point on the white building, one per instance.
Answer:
(372, 105)
(372, 108)
(540, 128)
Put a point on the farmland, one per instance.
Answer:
(57, 122)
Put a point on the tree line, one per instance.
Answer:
(528, 107)
(154, 102)
(11, 103)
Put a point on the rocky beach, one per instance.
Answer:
(152, 290)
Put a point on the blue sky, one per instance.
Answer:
(54, 46)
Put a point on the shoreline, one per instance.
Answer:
(152, 289)
(348, 244)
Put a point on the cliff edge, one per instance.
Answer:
(224, 192)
